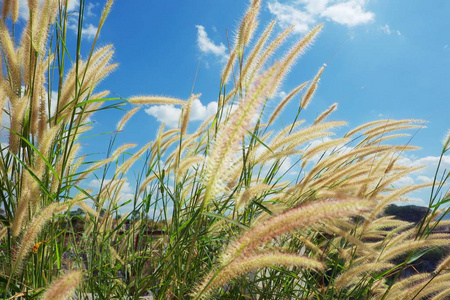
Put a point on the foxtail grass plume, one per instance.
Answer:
(325, 114)
(3, 232)
(64, 286)
(105, 13)
(253, 191)
(443, 265)
(254, 262)
(243, 37)
(15, 10)
(6, 9)
(34, 228)
(354, 275)
(285, 101)
(12, 60)
(125, 118)
(267, 53)
(397, 250)
(446, 142)
(442, 295)
(311, 89)
(156, 100)
(296, 51)
(22, 210)
(230, 135)
(254, 55)
(186, 112)
(302, 216)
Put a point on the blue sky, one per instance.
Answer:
(392, 57)
(386, 59)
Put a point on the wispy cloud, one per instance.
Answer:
(90, 9)
(287, 16)
(387, 30)
(430, 163)
(207, 46)
(304, 14)
(88, 32)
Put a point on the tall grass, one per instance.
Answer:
(215, 213)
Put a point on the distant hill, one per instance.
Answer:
(410, 213)
(430, 259)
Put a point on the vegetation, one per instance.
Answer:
(214, 213)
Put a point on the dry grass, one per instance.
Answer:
(212, 208)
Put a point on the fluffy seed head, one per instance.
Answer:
(230, 135)
(64, 286)
(216, 279)
(156, 100)
(302, 216)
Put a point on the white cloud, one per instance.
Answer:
(88, 32)
(350, 13)
(424, 179)
(170, 115)
(24, 12)
(385, 28)
(4, 132)
(287, 16)
(53, 102)
(430, 163)
(404, 181)
(315, 6)
(73, 5)
(424, 175)
(281, 94)
(409, 200)
(304, 14)
(200, 112)
(207, 46)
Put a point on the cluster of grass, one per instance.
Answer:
(214, 213)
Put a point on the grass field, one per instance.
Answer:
(215, 214)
